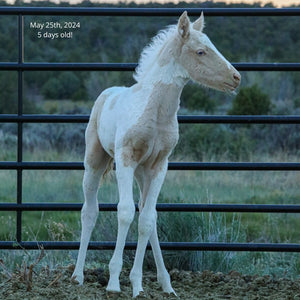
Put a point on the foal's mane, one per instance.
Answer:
(150, 53)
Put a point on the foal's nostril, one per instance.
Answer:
(236, 77)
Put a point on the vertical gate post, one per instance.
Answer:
(20, 124)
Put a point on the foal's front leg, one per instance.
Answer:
(126, 211)
(147, 227)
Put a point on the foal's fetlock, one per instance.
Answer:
(115, 267)
(113, 285)
(136, 281)
(137, 292)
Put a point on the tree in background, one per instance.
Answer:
(8, 92)
(251, 101)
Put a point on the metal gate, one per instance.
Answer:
(21, 118)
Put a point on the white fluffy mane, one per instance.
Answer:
(150, 52)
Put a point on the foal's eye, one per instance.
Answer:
(201, 52)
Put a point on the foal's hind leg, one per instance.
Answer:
(147, 230)
(163, 276)
(96, 162)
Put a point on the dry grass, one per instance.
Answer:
(55, 284)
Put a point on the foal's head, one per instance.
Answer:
(200, 58)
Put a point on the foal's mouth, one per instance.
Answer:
(231, 87)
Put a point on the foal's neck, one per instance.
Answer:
(166, 79)
(165, 100)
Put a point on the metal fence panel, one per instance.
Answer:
(21, 118)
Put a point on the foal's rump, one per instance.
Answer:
(104, 116)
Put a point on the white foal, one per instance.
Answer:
(137, 127)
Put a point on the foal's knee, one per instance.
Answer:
(89, 213)
(126, 213)
(147, 223)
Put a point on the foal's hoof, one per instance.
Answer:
(112, 295)
(141, 295)
(77, 279)
(113, 290)
(171, 295)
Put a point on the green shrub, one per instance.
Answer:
(208, 141)
(52, 88)
(250, 101)
(64, 86)
(203, 228)
(297, 102)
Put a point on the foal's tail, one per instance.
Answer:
(107, 173)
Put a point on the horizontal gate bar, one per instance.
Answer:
(183, 119)
(243, 166)
(163, 207)
(108, 11)
(164, 246)
(262, 119)
(173, 166)
(69, 66)
(10, 66)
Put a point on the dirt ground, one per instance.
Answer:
(27, 284)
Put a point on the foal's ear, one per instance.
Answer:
(199, 23)
(184, 26)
